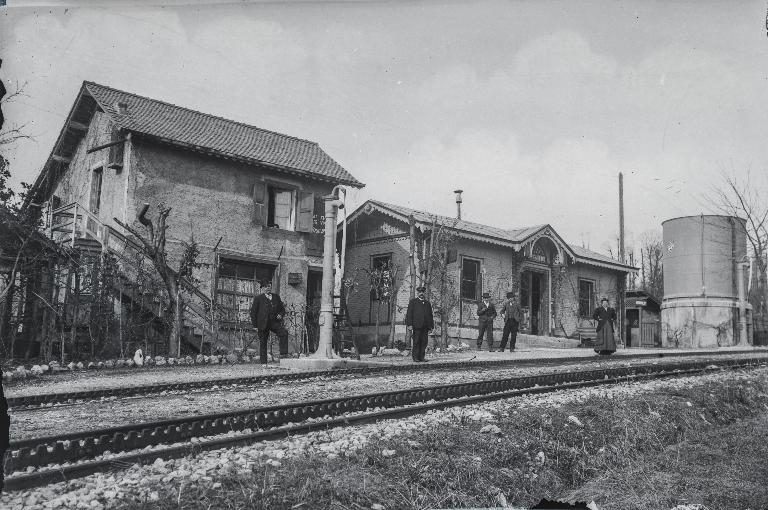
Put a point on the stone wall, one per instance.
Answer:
(211, 198)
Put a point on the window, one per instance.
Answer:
(281, 207)
(284, 208)
(586, 301)
(238, 283)
(95, 198)
(471, 280)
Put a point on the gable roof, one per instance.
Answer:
(487, 232)
(513, 238)
(193, 130)
(217, 135)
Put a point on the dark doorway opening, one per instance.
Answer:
(312, 314)
(535, 303)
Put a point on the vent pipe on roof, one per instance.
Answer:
(458, 203)
(122, 107)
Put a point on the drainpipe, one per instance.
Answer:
(325, 346)
(741, 268)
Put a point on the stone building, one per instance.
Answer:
(250, 198)
(558, 284)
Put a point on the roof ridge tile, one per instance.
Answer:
(198, 112)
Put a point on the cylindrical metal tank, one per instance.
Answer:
(702, 257)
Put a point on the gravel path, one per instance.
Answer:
(113, 412)
(145, 483)
(125, 377)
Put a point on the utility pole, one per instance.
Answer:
(623, 284)
(621, 217)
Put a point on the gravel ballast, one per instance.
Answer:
(113, 412)
(165, 481)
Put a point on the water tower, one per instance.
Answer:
(705, 302)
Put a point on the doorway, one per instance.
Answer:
(532, 300)
(312, 313)
(632, 333)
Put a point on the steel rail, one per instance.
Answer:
(39, 401)
(49, 476)
(74, 447)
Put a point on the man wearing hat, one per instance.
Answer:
(267, 313)
(486, 312)
(512, 316)
(419, 318)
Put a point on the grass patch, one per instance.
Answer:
(701, 444)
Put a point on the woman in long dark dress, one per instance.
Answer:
(605, 316)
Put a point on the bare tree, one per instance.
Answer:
(748, 200)
(154, 247)
(651, 271)
(443, 289)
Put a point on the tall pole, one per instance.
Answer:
(325, 345)
(741, 270)
(621, 284)
(621, 217)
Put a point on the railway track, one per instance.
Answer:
(77, 454)
(42, 401)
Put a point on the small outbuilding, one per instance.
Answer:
(643, 319)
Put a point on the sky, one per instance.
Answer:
(531, 107)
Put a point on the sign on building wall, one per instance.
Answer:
(318, 218)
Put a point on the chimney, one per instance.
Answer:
(122, 107)
(458, 203)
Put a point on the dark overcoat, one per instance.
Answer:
(603, 315)
(264, 310)
(487, 313)
(419, 314)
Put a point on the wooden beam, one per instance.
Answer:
(104, 146)
(79, 126)
(61, 159)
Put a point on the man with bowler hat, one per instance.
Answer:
(512, 316)
(267, 313)
(419, 318)
(486, 312)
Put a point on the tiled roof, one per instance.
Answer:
(219, 136)
(511, 236)
(584, 253)
(503, 236)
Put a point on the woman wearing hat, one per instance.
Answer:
(606, 325)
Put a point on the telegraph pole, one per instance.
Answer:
(623, 285)
(621, 217)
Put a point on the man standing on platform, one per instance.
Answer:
(486, 312)
(267, 313)
(512, 316)
(419, 318)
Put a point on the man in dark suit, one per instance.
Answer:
(419, 318)
(486, 312)
(512, 316)
(267, 313)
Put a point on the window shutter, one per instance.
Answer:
(259, 203)
(452, 256)
(306, 211)
(116, 151)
